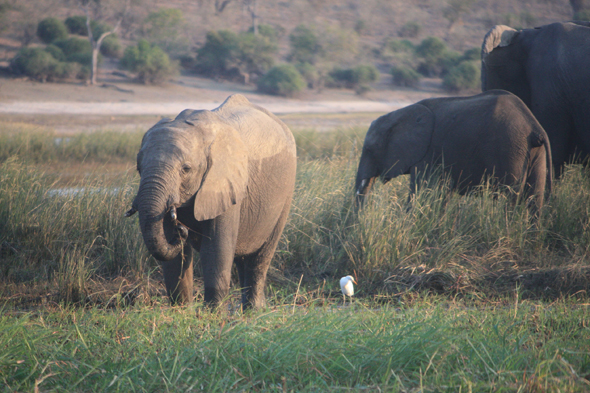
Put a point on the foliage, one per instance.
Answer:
(583, 15)
(353, 77)
(73, 45)
(56, 52)
(410, 29)
(455, 9)
(305, 45)
(225, 51)
(111, 47)
(306, 342)
(76, 25)
(466, 75)
(151, 64)
(273, 33)
(309, 73)
(283, 80)
(405, 76)
(51, 29)
(165, 28)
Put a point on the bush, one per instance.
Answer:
(410, 29)
(73, 45)
(405, 76)
(111, 47)
(464, 76)
(305, 45)
(51, 29)
(309, 73)
(216, 56)
(35, 63)
(353, 77)
(165, 28)
(431, 48)
(583, 15)
(273, 33)
(283, 80)
(76, 25)
(473, 54)
(226, 54)
(151, 63)
(56, 52)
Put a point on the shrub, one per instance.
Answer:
(309, 73)
(283, 80)
(405, 76)
(353, 77)
(273, 33)
(111, 47)
(73, 45)
(56, 52)
(305, 45)
(76, 25)
(583, 15)
(464, 76)
(51, 29)
(473, 54)
(165, 28)
(151, 63)
(216, 56)
(431, 48)
(35, 63)
(410, 29)
(226, 54)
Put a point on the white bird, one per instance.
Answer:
(347, 287)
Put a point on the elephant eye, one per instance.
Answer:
(186, 168)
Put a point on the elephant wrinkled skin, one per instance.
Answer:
(470, 138)
(219, 182)
(548, 68)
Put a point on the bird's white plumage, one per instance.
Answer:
(346, 284)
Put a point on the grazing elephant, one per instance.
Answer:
(548, 68)
(220, 181)
(492, 133)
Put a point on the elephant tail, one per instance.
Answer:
(540, 139)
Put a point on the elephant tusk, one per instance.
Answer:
(361, 187)
(173, 213)
(130, 212)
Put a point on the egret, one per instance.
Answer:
(347, 287)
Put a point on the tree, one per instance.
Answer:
(581, 9)
(165, 28)
(251, 6)
(101, 10)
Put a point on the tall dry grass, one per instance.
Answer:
(482, 243)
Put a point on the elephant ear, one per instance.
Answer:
(226, 178)
(498, 36)
(409, 136)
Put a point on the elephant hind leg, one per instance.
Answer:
(253, 268)
(178, 277)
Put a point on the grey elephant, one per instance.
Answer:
(220, 182)
(548, 68)
(492, 133)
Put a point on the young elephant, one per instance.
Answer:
(468, 137)
(220, 181)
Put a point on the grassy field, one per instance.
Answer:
(455, 293)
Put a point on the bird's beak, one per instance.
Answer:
(354, 281)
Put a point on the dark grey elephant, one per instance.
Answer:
(548, 68)
(220, 181)
(468, 137)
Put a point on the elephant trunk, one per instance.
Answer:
(157, 226)
(365, 178)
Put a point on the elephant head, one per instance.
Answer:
(394, 144)
(196, 163)
(504, 55)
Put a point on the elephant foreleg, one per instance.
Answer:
(178, 276)
(253, 268)
(218, 247)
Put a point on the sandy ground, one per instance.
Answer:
(120, 101)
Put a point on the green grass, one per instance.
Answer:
(431, 346)
(455, 293)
